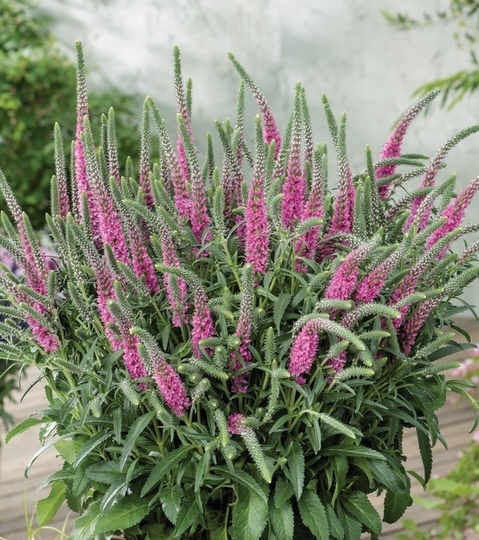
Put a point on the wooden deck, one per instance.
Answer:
(18, 495)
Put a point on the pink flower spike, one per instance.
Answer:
(142, 263)
(203, 326)
(415, 322)
(304, 350)
(48, 341)
(171, 388)
(344, 279)
(257, 229)
(131, 356)
(294, 188)
(235, 424)
(170, 258)
(454, 212)
(392, 148)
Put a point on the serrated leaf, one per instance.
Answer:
(188, 514)
(352, 451)
(426, 454)
(384, 474)
(283, 491)
(336, 530)
(170, 497)
(282, 520)
(85, 525)
(280, 305)
(107, 472)
(112, 494)
(359, 506)
(133, 433)
(47, 508)
(314, 515)
(352, 527)
(245, 480)
(23, 426)
(250, 515)
(80, 481)
(163, 467)
(395, 504)
(89, 446)
(296, 468)
(127, 512)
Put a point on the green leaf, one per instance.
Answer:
(250, 515)
(47, 508)
(163, 467)
(23, 426)
(133, 433)
(90, 446)
(336, 530)
(245, 480)
(107, 472)
(84, 526)
(127, 512)
(187, 516)
(352, 451)
(67, 450)
(426, 454)
(352, 527)
(80, 481)
(314, 515)
(170, 497)
(384, 474)
(296, 468)
(395, 504)
(202, 469)
(282, 520)
(280, 306)
(359, 506)
(283, 491)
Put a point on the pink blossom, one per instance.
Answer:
(304, 350)
(337, 363)
(142, 263)
(257, 230)
(171, 387)
(170, 258)
(235, 424)
(415, 322)
(294, 188)
(307, 243)
(343, 209)
(203, 326)
(454, 212)
(105, 293)
(345, 277)
(48, 341)
(131, 356)
(392, 148)
(371, 285)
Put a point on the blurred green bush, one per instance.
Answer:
(37, 88)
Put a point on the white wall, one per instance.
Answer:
(341, 47)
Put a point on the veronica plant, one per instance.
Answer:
(231, 349)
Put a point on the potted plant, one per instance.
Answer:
(229, 348)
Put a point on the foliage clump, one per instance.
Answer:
(232, 349)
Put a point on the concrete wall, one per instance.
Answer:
(341, 47)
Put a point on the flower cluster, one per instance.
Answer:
(257, 341)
